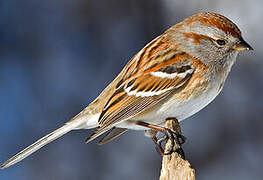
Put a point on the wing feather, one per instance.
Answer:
(148, 91)
(149, 78)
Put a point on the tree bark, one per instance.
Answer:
(173, 166)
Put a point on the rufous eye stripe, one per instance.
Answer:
(196, 37)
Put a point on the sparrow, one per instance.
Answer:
(174, 76)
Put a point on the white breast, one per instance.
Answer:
(176, 107)
(184, 109)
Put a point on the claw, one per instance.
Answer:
(177, 139)
(181, 138)
(162, 139)
(159, 144)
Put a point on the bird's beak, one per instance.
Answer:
(242, 45)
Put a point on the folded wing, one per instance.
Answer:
(151, 82)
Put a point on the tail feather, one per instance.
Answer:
(42, 142)
(114, 133)
(98, 131)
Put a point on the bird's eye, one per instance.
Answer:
(221, 42)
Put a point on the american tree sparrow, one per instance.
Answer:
(176, 75)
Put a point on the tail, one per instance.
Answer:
(42, 142)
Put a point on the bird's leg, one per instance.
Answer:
(174, 136)
(153, 135)
(158, 146)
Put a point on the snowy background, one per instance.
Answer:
(56, 56)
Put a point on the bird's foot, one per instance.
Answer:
(176, 140)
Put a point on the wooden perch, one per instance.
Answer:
(173, 166)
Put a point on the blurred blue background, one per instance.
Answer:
(56, 56)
